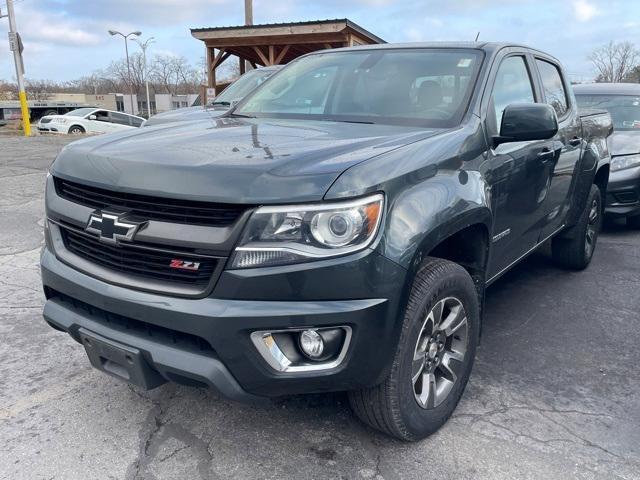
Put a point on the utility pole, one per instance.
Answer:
(15, 45)
(143, 46)
(248, 20)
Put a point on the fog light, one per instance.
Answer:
(311, 344)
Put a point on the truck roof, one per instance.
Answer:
(488, 47)
(607, 89)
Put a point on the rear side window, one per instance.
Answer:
(136, 122)
(554, 91)
(512, 85)
(120, 118)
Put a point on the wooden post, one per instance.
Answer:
(272, 55)
(210, 80)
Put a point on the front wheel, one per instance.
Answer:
(76, 130)
(433, 359)
(575, 250)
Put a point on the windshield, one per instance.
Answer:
(426, 87)
(79, 112)
(624, 109)
(239, 89)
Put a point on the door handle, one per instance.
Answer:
(546, 155)
(575, 141)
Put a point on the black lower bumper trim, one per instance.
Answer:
(170, 362)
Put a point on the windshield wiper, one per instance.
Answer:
(355, 121)
(241, 115)
(226, 104)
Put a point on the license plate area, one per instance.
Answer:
(119, 360)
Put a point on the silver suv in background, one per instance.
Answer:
(223, 102)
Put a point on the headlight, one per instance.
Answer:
(627, 161)
(291, 234)
(59, 120)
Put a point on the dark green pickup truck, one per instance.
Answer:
(334, 231)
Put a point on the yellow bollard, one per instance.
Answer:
(26, 124)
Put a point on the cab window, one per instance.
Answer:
(512, 85)
(554, 92)
(120, 118)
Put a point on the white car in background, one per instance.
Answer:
(89, 120)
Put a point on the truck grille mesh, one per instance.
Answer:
(151, 207)
(143, 262)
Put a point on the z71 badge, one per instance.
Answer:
(184, 265)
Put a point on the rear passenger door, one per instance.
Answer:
(516, 170)
(120, 121)
(566, 146)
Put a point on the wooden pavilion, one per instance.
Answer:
(277, 43)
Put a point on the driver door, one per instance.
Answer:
(516, 171)
(101, 124)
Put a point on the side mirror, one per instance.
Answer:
(92, 117)
(523, 122)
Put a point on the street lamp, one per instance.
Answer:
(143, 46)
(126, 49)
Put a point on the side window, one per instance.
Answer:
(101, 116)
(120, 118)
(553, 87)
(512, 85)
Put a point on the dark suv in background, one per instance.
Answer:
(622, 101)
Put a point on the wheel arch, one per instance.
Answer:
(464, 240)
(81, 127)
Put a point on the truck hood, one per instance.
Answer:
(186, 114)
(231, 160)
(625, 142)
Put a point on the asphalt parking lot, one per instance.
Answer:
(555, 392)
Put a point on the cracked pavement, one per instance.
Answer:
(555, 391)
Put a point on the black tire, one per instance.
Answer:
(574, 249)
(76, 130)
(634, 222)
(393, 407)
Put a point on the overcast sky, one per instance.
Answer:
(66, 39)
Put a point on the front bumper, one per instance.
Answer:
(362, 291)
(623, 193)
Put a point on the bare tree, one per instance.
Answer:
(119, 72)
(614, 61)
(168, 74)
(174, 75)
(8, 90)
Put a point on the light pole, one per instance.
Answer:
(15, 45)
(126, 49)
(143, 46)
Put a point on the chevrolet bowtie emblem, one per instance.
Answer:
(110, 228)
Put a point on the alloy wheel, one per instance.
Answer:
(440, 352)
(592, 228)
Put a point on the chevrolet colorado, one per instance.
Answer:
(335, 231)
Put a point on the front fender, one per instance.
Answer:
(421, 216)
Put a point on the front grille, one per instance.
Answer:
(150, 207)
(156, 333)
(135, 260)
